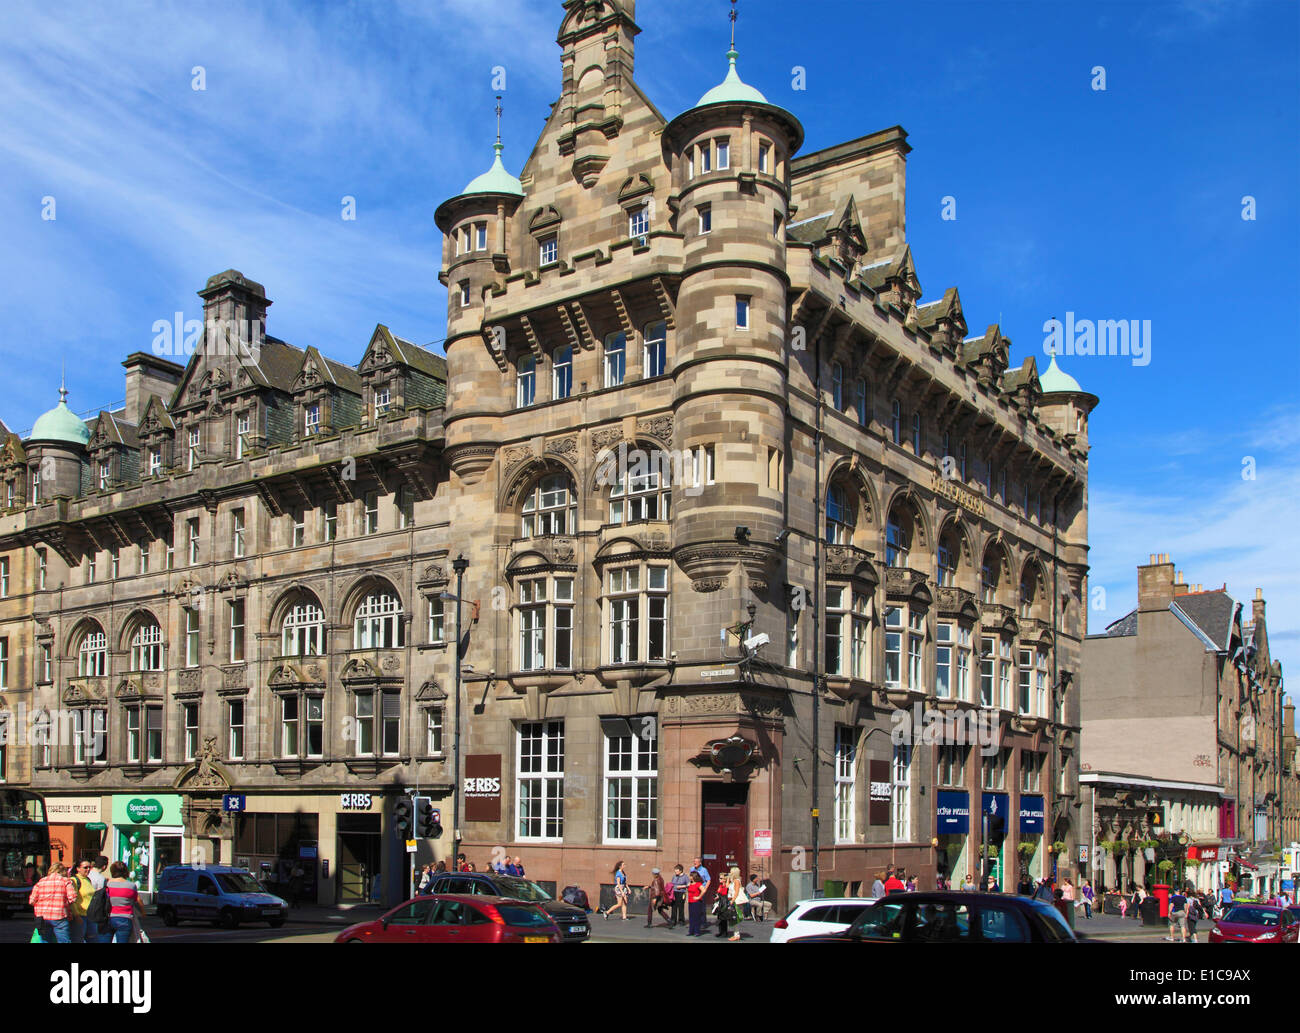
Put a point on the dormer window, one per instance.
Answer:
(242, 426)
(155, 462)
(104, 468)
(312, 423)
(383, 401)
(194, 440)
(549, 251)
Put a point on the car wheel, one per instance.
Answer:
(168, 915)
(229, 920)
(275, 923)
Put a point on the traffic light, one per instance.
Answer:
(402, 817)
(428, 820)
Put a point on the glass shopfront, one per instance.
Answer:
(952, 828)
(148, 835)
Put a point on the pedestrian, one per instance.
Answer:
(78, 927)
(658, 900)
(723, 906)
(1087, 899)
(695, 904)
(968, 883)
(1061, 904)
(878, 887)
(440, 868)
(676, 890)
(1195, 912)
(124, 901)
(1067, 894)
(911, 884)
(901, 875)
(756, 893)
(1225, 896)
(462, 864)
(296, 878)
(99, 872)
(707, 880)
(50, 899)
(735, 901)
(519, 867)
(426, 881)
(1046, 892)
(621, 893)
(1177, 917)
(1026, 886)
(992, 885)
(893, 884)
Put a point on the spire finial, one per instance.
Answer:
(498, 144)
(732, 16)
(63, 382)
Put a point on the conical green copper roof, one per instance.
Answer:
(1056, 379)
(61, 424)
(732, 89)
(495, 180)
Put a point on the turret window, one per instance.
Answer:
(724, 154)
(655, 352)
(742, 312)
(526, 381)
(480, 236)
(615, 359)
(639, 224)
(562, 373)
(706, 157)
(706, 218)
(549, 251)
(764, 157)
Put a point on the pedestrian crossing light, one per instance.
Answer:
(402, 817)
(428, 820)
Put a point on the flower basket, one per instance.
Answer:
(1058, 847)
(1027, 848)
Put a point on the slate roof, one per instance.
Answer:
(892, 268)
(117, 430)
(1211, 612)
(947, 307)
(810, 231)
(1013, 379)
(417, 358)
(344, 377)
(1125, 627)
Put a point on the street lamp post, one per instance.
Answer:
(458, 565)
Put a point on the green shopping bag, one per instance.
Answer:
(36, 936)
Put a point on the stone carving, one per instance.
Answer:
(205, 775)
(567, 447)
(233, 677)
(660, 427)
(605, 438)
(564, 550)
(390, 664)
(433, 572)
(188, 679)
(708, 584)
(515, 456)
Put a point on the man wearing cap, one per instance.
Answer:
(657, 900)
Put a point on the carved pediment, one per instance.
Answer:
(128, 689)
(430, 692)
(205, 772)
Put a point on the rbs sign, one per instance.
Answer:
(482, 787)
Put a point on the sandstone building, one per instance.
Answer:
(691, 398)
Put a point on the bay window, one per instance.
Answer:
(636, 607)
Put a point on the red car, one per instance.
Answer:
(453, 918)
(1257, 923)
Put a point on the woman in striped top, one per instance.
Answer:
(123, 899)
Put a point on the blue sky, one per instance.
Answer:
(1122, 204)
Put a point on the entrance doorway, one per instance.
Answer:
(359, 850)
(726, 827)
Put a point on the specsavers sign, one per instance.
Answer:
(147, 809)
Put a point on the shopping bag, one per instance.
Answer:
(36, 936)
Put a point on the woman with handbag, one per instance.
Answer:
(695, 904)
(724, 907)
(736, 894)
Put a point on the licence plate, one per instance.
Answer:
(576, 928)
(270, 912)
(536, 939)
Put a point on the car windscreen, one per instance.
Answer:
(238, 882)
(520, 889)
(523, 916)
(1056, 927)
(1251, 916)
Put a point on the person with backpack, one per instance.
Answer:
(1195, 912)
(1177, 917)
(124, 904)
(85, 890)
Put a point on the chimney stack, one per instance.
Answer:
(1180, 586)
(1156, 583)
(148, 375)
(1257, 605)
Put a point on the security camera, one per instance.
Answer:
(742, 532)
(782, 536)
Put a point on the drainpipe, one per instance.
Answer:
(818, 660)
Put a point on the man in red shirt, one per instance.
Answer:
(50, 899)
(894, 884)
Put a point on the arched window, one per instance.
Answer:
(551, 507)
(92, 653)
(302, 632)
(839, 517)
(898, 537)
(1028, 592)
(989, 575)
(949, 551)
(146, 645)
(378, 623)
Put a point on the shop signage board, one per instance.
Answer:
(233, 802)
(762, 842)
(1031, 815)
(878, 802)
(147, 809)
(72, 810)
(355, 801)
(952, 813)
(481, 788)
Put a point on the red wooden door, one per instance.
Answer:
(726, 827)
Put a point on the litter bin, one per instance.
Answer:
(1149, 910)
(1162, 894)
